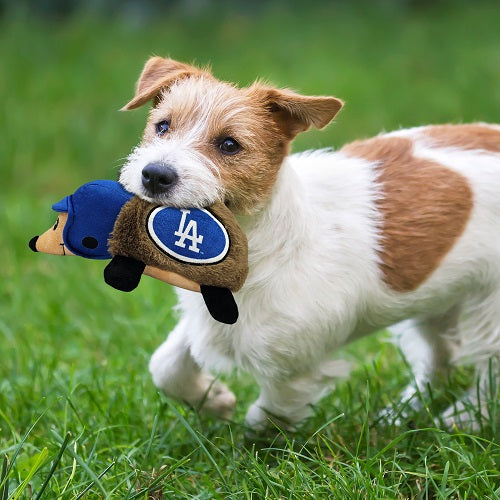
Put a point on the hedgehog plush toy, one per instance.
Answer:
(202, 250)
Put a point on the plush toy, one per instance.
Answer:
(202, 250)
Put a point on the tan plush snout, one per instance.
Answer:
(51, 241)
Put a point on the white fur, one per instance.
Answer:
(315, 284)
(197, 185)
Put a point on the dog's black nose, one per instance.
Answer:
(158, 178)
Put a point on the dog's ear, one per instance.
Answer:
(295, 113)
(158, 74)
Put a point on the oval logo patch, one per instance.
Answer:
(191, 235)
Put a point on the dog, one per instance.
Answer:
(401, 229)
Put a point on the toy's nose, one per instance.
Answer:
(32, 243)
(158, 178)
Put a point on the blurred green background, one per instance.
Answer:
(78, 350)
(395, 63)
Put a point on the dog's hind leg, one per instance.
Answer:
(177, 374)
(426, 346)
(475, 404)
(478, 343)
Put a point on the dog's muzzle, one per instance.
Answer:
(158, 178)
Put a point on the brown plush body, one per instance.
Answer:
(130, 239)
(136, 252)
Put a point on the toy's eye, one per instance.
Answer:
(229, 146)
(162, 127)
(90, 242)
(56, 224)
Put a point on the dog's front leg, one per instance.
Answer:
(285, 402)
(177, 374)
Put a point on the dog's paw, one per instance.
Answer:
(390, 416)
(400, 413)
(460, 417)
(256, 418)
(219, 401)
(261, 421)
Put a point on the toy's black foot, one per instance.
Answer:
(124, 273)
(220, 303)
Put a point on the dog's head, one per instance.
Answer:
(207, 140)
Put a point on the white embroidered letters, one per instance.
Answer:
(189, 232)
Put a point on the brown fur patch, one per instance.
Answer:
(159, 73)
(425, 208)
(295, 113)
(475, 136)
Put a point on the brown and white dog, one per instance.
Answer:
(400, 229)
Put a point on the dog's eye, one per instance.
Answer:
(56, 224)
(162, 127)
(229, 146)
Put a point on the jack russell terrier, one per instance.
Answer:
(402, 229)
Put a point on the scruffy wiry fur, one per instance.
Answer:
(331, 238)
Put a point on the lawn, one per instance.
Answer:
(79, 415)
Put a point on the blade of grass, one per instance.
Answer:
(164, 473)
(71, 476)
(153, 430)
(40, 459)
(82, 464)
(4, 490)
(92, 483)
(444, 479)
(18, 449)
(54, 466)
(324, 426)
(10, 425)
(196, 437)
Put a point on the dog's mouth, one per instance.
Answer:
(145, 194)
(167, 199)
(160, 197)
(163, 183)
(182, 195)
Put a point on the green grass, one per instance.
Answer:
(78, 411)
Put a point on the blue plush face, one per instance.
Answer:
(92, 210)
